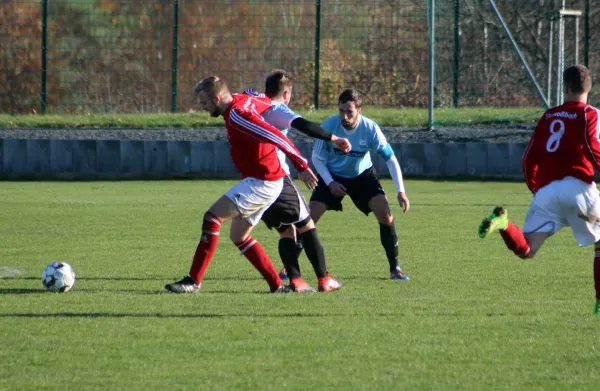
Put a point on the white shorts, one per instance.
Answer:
(253, 197)
(568, 202)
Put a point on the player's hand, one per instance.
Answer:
(341, 143)
(309, 178)
(337, 189)
(404, 202)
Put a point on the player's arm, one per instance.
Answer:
(379, 143)
(592, 136)
(529, 161)
(313, 130)
(319, 158)
(387, 154)
(283, 117)
(529, 166)
(384, 149)
(256, 127)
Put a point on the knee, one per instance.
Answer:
(210, 222)
(386, 219)
(288, 233)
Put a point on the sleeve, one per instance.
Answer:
(321, 148)
(592, 137)
(378, 141)
(379, 144)
(395, 173)
(528, 163)
(320, 163)
(310, 129)
(255, 126)
(280, 116)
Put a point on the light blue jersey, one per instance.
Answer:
(281, 117)
(364, 138)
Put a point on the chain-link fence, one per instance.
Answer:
(74, 56)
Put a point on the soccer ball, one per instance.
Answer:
(58, 277)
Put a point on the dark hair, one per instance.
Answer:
(578, 79)
(277, 81)
(350, 95)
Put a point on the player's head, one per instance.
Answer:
(577, 80)
(349, 104)
(210, 93)
(278, 85)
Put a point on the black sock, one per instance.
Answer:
(287, 252)
(314, 252)
(389, 241)
(299, 244)
(299, 248)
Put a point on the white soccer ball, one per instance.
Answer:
(58, 277)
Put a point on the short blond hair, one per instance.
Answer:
(212, 86)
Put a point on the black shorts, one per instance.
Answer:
(360, 189)
(289, 208)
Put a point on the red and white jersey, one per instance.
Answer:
(253, 142)
(565, 143)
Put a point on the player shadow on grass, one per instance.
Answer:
(20, 291)
(235, 278)
(158, 315)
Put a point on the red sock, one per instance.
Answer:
(515, 240)
(597, 273)
(207, 246)
(254, 252)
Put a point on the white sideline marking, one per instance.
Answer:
(7, 272)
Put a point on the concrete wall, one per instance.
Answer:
(128, 159)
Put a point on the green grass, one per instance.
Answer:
(472, 317)
(384, 117)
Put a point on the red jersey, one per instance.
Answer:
(565, 143)
(253, 142)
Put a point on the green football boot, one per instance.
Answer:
(497, 220)
(597, 308)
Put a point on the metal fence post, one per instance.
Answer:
(44, 53)
(455, 95)
(550, 59)
(317, 53)
(586, 34)
(431, 63)
(174, 57)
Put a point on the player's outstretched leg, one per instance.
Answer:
(255, 253)
(207, 246)
(498, 220)
(513, 237)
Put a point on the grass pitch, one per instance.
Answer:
(472, 316)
